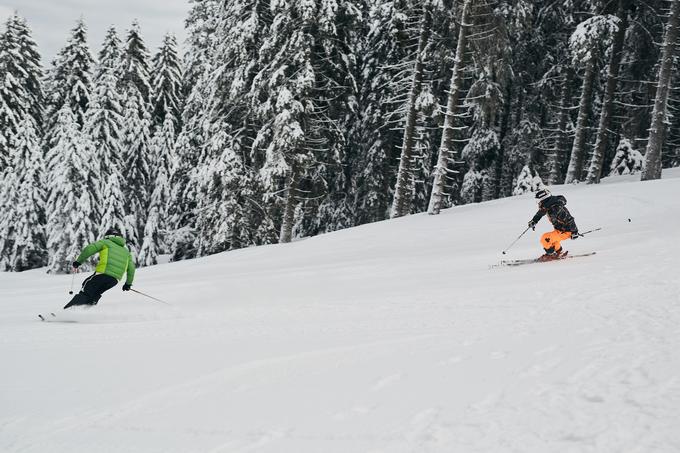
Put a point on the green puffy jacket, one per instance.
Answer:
(114, 258)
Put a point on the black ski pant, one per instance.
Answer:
(93, 288)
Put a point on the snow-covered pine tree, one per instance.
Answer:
(110, 55)
(201, 27)
(587, 45)
(227, 199)
(330, 202)
(20, 83)
(491, 72)
(30, 77)
(446, 150)
(22, 223)
(652, 163)
(113, 210)
(627, 161)
(149, 251)
(69, 81)
(522, 146)
(602, 141)
(480, 154)
(471, 189)
(547, 81)
(135, 68)
(13, 105)
(377, 138)
(70, 221)
(527, 182)
(103, 131)
(162, 150)
(166, 83)
(138, 184)
(300, 91)
(403, 189)
(223, 214)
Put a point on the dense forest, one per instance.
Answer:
(287, 119)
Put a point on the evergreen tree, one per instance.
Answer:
(149, 251)
(403, 190)
(441, 176)
(587, 43)
(13, 102)
(20, 83)
(137, 161)
(166, 92)
(201, 27)
(22, 224)
(304, 84)
(110, 55)
(71, 203)
(627, 161)
(135, 66)
(223, 220)
(69, 82)
(104, 122)
(376, 133)
(527, 182)
(30, 75)
(103, 132)
(652, 163)
(162, 149)
(605, 125)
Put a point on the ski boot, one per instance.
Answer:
(552, 254)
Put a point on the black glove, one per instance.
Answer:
(575, 235)
(127, 286)
(532, 224)
(76, 265)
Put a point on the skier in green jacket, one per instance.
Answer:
(115, 260)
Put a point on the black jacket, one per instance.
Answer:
(558, 214)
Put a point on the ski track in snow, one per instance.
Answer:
(391, 337)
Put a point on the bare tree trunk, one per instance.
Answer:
(651, 168)
(446, 145)
(289, 208)
(578, 149)
(595, 170)
(561, 143)
(403, 192)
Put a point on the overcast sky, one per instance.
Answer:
(52, 20)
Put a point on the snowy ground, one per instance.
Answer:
(391, 337)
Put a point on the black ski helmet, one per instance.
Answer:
(113, 232)
(542, 194)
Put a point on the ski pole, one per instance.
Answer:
(150, 297)
(590, 231)
(73, 279)
(596, 229)
(515, 241)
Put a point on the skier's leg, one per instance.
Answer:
(558, 237)
(82, 298)
(551, 241)
(547, 241)
(97, 286)
(78, 299)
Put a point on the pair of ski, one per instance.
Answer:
(47, 317)
(510, 263)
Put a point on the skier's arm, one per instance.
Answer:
(539, 215)
(90, 250)
(130, 270)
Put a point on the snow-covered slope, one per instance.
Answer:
(391, 337)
